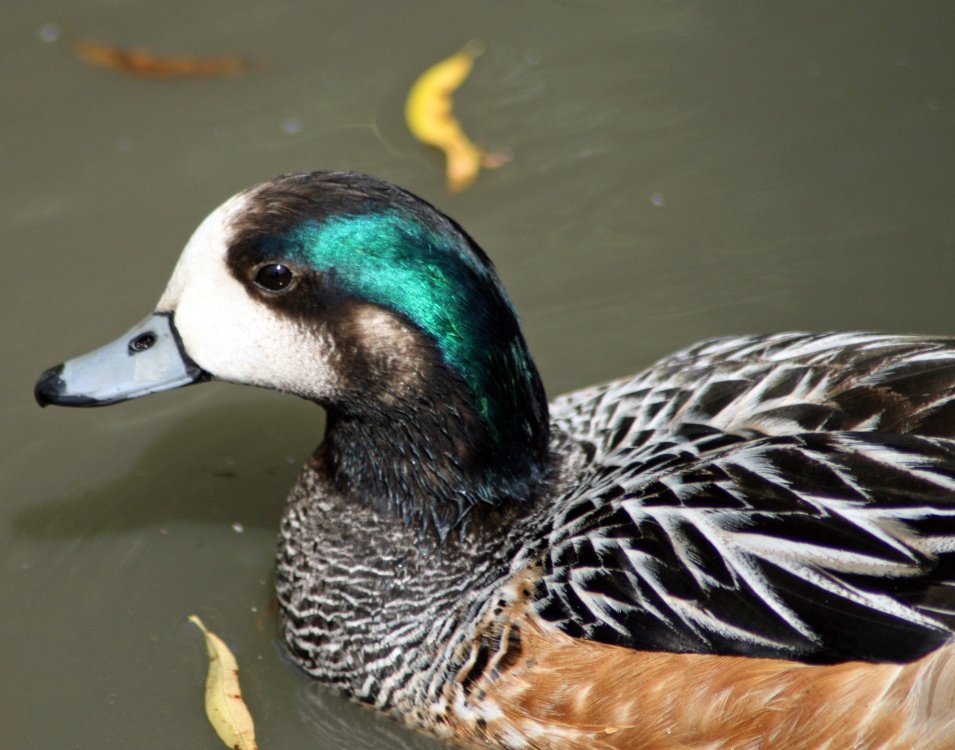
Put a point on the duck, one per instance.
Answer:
(750, 544)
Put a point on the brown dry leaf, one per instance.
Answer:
(147, 65)
(224, 705)
(428, 113)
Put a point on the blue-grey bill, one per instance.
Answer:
(150, 358)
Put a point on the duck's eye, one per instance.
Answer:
(274, 277)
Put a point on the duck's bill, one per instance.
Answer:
(148, 359)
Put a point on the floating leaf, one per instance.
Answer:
(224, 705)
(428, 112)
(142, 63)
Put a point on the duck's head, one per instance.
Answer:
(353, 293)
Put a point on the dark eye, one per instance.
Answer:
(274, 277)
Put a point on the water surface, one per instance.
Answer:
(681, 170)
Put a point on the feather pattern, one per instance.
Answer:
(763, 496)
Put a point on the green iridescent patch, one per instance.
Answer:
(432, 279)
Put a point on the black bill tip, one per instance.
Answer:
(49, 388)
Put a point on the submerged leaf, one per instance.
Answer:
(224, 705)
(428, 112)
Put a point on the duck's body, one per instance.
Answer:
(751, 544)
(665, 532)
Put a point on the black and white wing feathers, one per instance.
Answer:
(789, 496)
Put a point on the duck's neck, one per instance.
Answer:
(409, 515)
(431, 459)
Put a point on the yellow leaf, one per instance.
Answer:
(224, 705)
(428, 112)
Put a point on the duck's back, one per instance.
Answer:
(752, 386)
(788, 496)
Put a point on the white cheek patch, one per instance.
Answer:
(233, 336)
